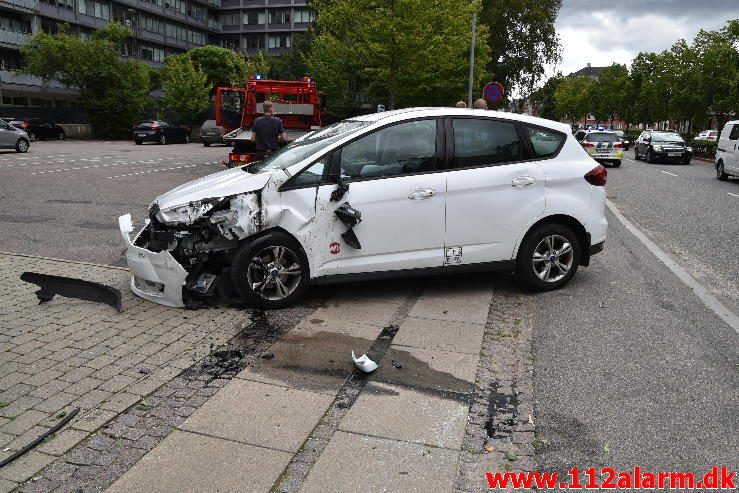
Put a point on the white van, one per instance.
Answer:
(727, 154)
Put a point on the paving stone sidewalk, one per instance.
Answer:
(305, 420)
(70, 353)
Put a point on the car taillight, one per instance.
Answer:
(618, 145)
(244, 158)
(597, 176)
(154, 125)
(588, 144)
(24, 125)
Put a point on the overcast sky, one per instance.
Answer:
(603, 32)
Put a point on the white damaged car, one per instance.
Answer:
(407, 192)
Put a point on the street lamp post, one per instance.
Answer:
(472, 60)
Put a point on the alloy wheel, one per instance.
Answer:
(274, 273)
(553, 258)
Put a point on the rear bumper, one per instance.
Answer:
(147, 137)
(212, 139)
(155, 276)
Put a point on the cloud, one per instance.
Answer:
(603, 33)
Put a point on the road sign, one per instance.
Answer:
(493, 92)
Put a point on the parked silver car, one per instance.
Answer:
(13, 138)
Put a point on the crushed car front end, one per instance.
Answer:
(183, 253)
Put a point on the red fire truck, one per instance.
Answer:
(298, 103)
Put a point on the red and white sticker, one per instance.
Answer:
(334, 248)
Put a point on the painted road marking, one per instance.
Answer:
(668, 173)
(733, 194)
(700, 291)
(152, 171)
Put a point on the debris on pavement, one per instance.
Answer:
(267, 356)
(41, 438)
(397, 365)
(70, 287)
(364, 363)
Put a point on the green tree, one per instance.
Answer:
(609, 93)
(186, 88)
(114, 92)
(225, 67)
(543, 98)
(719, 69)
(522, 41)
(572, 97)
(650, 88)
(400, 52)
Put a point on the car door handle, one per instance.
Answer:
(523, 181)
(421, 193)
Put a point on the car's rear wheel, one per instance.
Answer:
(138, 142)
(270, 272)
(32, 137)
(21, 145)
(206, 144)
(548, 257)
(187, 139)
(720, 173)
(61, 136)
(616, 164)
(163, 139)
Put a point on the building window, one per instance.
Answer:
(94, 9)
(230, 19)
(231, 43)
(152, 53)
(152, 24)
(255, 41)
(197, 12)
(154, 2)
(176, 31)
(176, 5)
(196, 37)
(15, 24)
(303, 15)
(279, 17)
(9, 60)
(279, 41)
(254, 18)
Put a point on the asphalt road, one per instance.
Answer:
(63, 199)
(631, 369)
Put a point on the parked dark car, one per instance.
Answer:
(662, 146)
(38, 129)
(159, 131)
(622, 136)
(210, 133)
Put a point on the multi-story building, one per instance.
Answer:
(159, 28)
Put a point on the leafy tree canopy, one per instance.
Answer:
(186, 88)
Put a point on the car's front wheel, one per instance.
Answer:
(650, 156)
(61, 136)
(548, 257)
(271, 271)
(32, 137)
(21, 145)
(138, 142)
(206, 144)
(720, 173)
(637, 157)
(616, 164)
(187, 139)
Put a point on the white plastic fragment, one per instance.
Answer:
(364, 363)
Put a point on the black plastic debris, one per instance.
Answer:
(70, 287)
(348, 215)
(267, 356)
(65, 418)
(350, 238)
(397, 365)
(223, 362)
(338, 193)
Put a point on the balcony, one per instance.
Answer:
(10, 79)
(28, 5)
(214, 25)
(215, 3)
(12, 38)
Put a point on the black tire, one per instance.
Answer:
(21, 145)
(526, 274)
(616, 164)
(187, 139)
(720, 174)
(163, 140)
(637, 157)
(61, 136)
(687, 161)
(206, 144)
(252, 255)
(138, 142)
(650, 156)
(32, 137)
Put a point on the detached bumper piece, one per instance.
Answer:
(72, 288)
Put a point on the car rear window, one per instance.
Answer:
(146, 124)
(545, 142)
(601, 137)
(483, 142)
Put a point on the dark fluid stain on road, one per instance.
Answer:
(502, 412)
(94, 225)
(223, 362)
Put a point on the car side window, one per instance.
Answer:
(4, 126)
(544, 142)
(312, 175)
(734, 135)
(401, 149)
(485, 142)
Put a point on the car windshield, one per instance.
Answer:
(298, 150)
(666, 137)
(601, 137)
